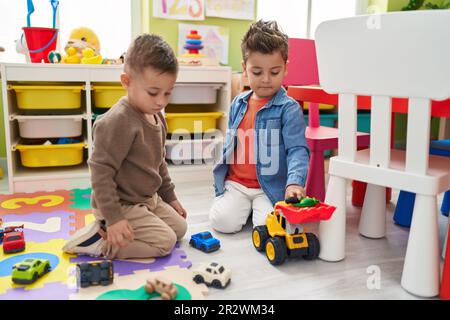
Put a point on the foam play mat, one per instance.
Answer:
(49, 219)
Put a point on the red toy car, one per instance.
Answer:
(13, 242)
(14, 228)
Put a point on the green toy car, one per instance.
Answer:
(29, 270)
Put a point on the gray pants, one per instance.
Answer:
(156, 226)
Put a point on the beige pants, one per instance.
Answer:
(156, 226)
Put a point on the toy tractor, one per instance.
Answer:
(284, 236)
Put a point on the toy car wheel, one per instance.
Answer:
(192, 243)
(84, 266)
(105, 282)
(203, 248)
(47, 269)
(259, 237)
(199, 279)
(35, 277)
(313, 247)
(276, 250)
(216, 284)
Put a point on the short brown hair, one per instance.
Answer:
(265, 37)
(150, 50)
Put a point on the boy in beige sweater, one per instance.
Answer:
(136, 209)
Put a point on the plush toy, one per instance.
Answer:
(80, 39)
(72, 56)
(89, 57)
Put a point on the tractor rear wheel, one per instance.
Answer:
(259, 237)
(276, 250)
(313, 247)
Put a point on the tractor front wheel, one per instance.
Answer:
(276, 250)
(259, 237)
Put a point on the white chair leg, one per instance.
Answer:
(373, 214)
(421, 269)
(444, 250)
(332, 232)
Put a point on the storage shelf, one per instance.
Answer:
(23, 179)
(189, 141)
(17, 141)
(30, 174)
(192, 173)
(16, 116)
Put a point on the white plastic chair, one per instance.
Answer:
(402, 54)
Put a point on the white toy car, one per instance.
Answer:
(212, 274)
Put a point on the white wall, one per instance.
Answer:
(110, 19)
(292, 15)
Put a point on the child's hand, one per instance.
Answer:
(120, 234)
(295, 190)
(179, 208)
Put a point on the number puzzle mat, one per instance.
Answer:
(49, 219)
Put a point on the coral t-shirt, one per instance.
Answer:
(243, 168)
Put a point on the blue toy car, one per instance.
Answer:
(205, 242)
(95, 273)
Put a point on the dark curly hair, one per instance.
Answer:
(265, 37)
(150, 50)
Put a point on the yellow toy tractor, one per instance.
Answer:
(284, 236)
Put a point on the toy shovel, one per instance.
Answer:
(30, 8)
(55, 4)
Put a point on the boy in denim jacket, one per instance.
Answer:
(265, 157)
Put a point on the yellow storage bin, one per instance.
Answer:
(107, 96)
(321, 106)
(195, 122)
(47, 97)
(55, 155)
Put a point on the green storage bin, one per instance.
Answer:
(326, 120)
(363, 122)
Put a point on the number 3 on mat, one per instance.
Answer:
(51, 201)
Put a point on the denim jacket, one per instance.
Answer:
(281, 151)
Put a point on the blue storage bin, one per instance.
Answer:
(440, 147)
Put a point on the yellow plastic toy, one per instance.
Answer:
(89, 57)
(72, 56)
(284, 236)
(80, 39)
